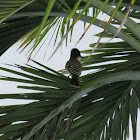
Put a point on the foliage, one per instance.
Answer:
(100, 109)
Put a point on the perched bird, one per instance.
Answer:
(74, 67)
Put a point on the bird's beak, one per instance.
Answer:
(80, 55)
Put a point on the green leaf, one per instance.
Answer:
(8, 8)
(121, 76)
(46, 15)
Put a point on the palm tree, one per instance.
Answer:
(100, 109)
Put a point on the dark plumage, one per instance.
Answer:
(74, 67)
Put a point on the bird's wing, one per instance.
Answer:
(73, 69)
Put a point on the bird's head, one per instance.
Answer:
(75, 53)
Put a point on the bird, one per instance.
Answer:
(74, 67)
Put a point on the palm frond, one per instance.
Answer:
(119, 16)
(33, 11)
(56, 99)
(109, 93)
(8, 8)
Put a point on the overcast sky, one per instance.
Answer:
(57, 62)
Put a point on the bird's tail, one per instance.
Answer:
(74, 82)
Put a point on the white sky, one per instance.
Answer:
(57, 62)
